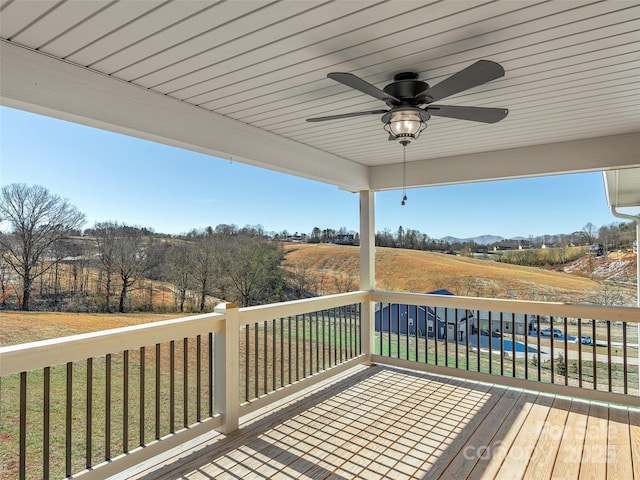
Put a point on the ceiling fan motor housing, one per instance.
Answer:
(405, 87)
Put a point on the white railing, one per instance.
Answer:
(127, 394)
(579, 350)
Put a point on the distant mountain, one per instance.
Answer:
(480, 240)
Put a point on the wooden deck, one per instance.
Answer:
(382, 422)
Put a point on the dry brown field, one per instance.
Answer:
(21, 327)
(419, 271)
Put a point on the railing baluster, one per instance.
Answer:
(46, 424)
(624, 359)
(491, 345)
(436, 334)
(304, 346)
(210, 374)
(389, 329)
(335, 337)
(297, 349)
(142, 389)
(340, 331)
(609, 379)
(247, 351)
(89, 415)
(107, 408)
(125, 402)
(185, 382)
(256, 360)
(552, 341)
(416, 326)
(595, 355)
(157, 412)
(513, 344)
(317, 343)
(477, 315)
(324, 323)
(359, 309)
(265, 332)
(282, 352)
(566, 352)
(580, 353)
(446, 340)
(502, 342)
(290, 350)
(406, 314)
(198, 378)
(426, 335)
(69, 417)
(466, 338)
(539, 362)
(23, 428)
(274, 351)
(172, 386)
(527, 331)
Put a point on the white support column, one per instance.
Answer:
(226, 368)
(636, 220)
(638, 287)
(367, 269)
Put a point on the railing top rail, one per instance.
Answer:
(56, 351)
(556, 309)
(250, 315)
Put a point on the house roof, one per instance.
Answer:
(238, 79)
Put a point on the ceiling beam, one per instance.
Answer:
(577, 156)
(42, 84)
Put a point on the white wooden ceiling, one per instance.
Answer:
(238, 78)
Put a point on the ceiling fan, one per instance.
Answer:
(410, 100)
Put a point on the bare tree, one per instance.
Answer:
(123, 253)
(591, 232)
(37, 220)
(204, 264)
(105, 234)
(302, 281)
(181, 265)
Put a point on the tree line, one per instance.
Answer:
(44, 261)
(44, 252)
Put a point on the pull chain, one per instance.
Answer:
(404, 174)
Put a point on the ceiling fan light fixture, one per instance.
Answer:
(405, 124)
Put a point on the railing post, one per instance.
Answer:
(367, 271)
(226, 368)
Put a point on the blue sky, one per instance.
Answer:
(108, 176)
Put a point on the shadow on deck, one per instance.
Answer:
(383, 422)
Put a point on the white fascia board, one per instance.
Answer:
(577, 156)
(39, 83)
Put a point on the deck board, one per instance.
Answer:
(569, 456)
(545, 454)
(388, 423)
(634, 433)
(619, 462)
(594, 453)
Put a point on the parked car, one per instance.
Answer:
(557, 333)
(485, 333)
(586, 340)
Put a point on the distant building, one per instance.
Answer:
(596, 249)
(297, 238)
(346, 239)
(440, 323)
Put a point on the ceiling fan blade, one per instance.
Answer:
(350, 80)
(475, 114)
(346, 115)
(480, 72)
